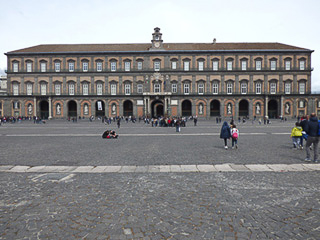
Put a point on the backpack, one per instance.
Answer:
(235, 135)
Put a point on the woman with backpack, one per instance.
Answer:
(234, 136)
(225, 133)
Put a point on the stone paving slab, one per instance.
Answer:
(206, 168)
(6, 167)
(258, 167)
(224, 168)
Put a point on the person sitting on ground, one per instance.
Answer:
(113, 134)
(106, 134)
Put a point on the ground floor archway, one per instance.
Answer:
(157, 108)
(44, 109)
(186, 108)
(272, 109)
(72, 109)
(127, 108)
(100, 108)
(243, 108)
(215, 108)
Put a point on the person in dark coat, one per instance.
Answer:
(312, 129)
(303, 124)
(225, 133)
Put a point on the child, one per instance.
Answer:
(296, 133)
(234, 136)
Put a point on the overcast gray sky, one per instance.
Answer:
(33, 22)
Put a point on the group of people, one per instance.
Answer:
(109, 134)
(228, 132)
(307, 129)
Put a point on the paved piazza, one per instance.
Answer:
(61, 180)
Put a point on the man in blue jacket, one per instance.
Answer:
(312, 129)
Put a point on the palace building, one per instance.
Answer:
(160, 79)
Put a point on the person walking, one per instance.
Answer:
(225, 134)
(234, 136)
(312, 129)
(296, 134)
(118, 122)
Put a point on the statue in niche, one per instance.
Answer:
(58, 108)
(113, 109)
(200, 108)
(86, 109)
(229, 108)
(258, 108)
(287, 108)
(30, 110)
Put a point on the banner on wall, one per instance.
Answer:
(99, 106)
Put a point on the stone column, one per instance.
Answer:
(50, 108)
(34, 106)
(266, 106)
(281, 106)
(165, 106)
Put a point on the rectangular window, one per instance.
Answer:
(57, 67)
(43, 88)
(200, 88)
(302, 64)
(29, 89)
(258, 88)
(174, 65)
(273, 65)
(85, 89)
(139, 65)
(186, 66)
(287, 88)
(301, 104)
(139, 88)
(15, 89)
(215, 88)
(273, 88)
(113, 89)
(99, 66)
(258, 65)
(85, 66)
(43, 67)
(156, 87)
(174, 88)
(200, 65)
(127, 66)
(244, 88)
(57, 89)
(15, 67)
(127, 89)
(186, 88)
(71, 89)
(215, 65)
(113, 66)
(287, 65)
(229, 88)
(243, 65)
(71, 66)
(29, 67)
(302, 88)
(157, 66)
(229, 65)
(99, 89)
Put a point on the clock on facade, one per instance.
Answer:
(157, 44)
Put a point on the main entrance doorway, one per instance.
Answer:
(72, 109)
(215, 108)
(44, 109)
(157, 108)
(100, 112)
(243, 108)
(186, 108)
(272, 109)
(127, 108)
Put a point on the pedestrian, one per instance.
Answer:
(195, 120)
(225, 134)
(234, 136)
(296, 134)
(312, 129)
(304, 121)
(118, 122)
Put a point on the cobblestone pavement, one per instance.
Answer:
(152, 204)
